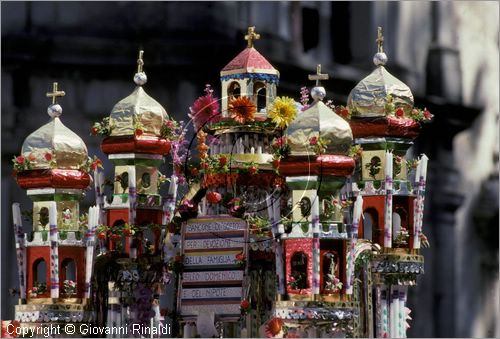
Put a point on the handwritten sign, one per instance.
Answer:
(211, 276)
(210, 259)
(194, 244)
(211, 244)
(215, 225)
(211, 293)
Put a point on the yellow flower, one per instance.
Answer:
(282, 111)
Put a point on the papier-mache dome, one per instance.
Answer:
(55, 143)
(251, 63)
(321, 122)
(371, 95)
(138, 110)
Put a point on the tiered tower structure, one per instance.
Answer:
(384, 123)
(239, 202)
(132, 270)
(53, 260)
(317, 300)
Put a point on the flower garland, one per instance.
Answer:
(91, 164)
(242, 109)
(259, 226)
(318, 144)
(355, 152)
(102, 128)
(168, 129)
(24, 163)
(282, 111)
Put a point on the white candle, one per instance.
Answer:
(424, 159)
(172, 188)
(418, 171)
(388, 164)
(252, 150)
(358, 207)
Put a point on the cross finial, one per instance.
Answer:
(140, 61)
(380, 40)
(318, 76)
(55, 93)
(251, 36)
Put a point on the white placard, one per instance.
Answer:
(213, 243)
(219, 309)
(212, 276)
(214, 226)
(211, 293)
(210, 259)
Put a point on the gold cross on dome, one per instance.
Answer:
(251, 36)
(380, 40)
(55, 93)
(318, 76)
(140, 61)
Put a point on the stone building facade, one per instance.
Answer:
(447, 52)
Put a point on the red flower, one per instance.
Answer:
(204, 110)
(240, 256)
(115, 236)
(48, 156)
(194, 171)
(138, 132)
(214, 197)
(252, 170)
(242, 109)
(93, 130)
(170, 124)
(101, 235)
(222, 161)
(400, 112)
(127, 232)
(279, 142)
(204, 165)
(427, 115)
(313, 141)
(20, 159)
(276, 163)
(244, 304)
(96, 163)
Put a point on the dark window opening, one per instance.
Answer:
(310, 28)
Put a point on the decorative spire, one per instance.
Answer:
(380, 59)
(251, 36)
(140, 77)
(318, 92)
(318, 76)
(380, 40)
(55, 109)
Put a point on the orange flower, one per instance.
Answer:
(273, 327)
(242, 109)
